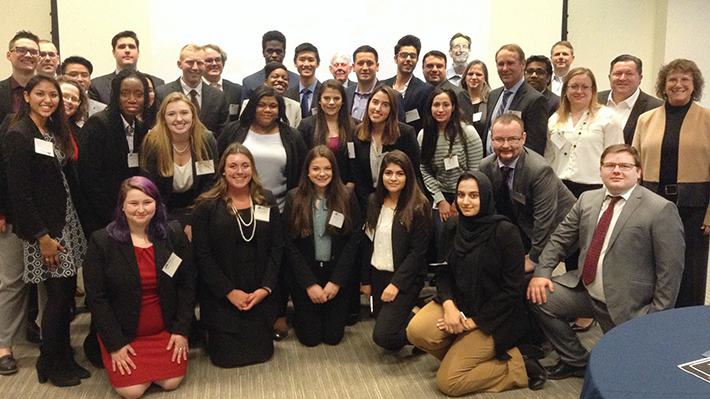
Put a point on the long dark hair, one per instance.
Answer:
(57, 123)
(249, 114)
(82, 112)
(391, 133)
(152, 110)
(118, 229)
(114, 104)
(336, 197)
(345, 127)
(431, 126)
(411, 204)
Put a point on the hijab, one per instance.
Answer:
(472, 231)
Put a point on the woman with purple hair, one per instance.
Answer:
(140, 289)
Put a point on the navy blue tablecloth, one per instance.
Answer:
(640, 358)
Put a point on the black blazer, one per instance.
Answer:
(294, 94)
(214, 111)
(5, 204)
(414, 98)
(177, 203)
(303, 269)
(362, 175)
(553, 102)
(5, 99)
(214, 233)
(643, 103)
(307, 129)
(408, 251)
(488, 284)
(293, 144)
(114, 291)
(103, 164)
(533, 106)
(100, 88)
(35, 183)
(233, 92)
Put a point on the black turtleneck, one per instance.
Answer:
(671, 139)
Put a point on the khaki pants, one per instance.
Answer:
(468, 359)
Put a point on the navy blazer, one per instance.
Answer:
(307, 129)
(415, 97)
(256, 79)
(294, 94)
(233, 92)
(114, 291)
(214, 111)
(643, 103)
(533, 107)
(100, 88)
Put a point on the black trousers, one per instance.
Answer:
(692, 285)
(317, 323)
(392, 318)
(56, 319)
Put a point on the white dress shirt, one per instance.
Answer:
(382, 258)
(622, 110)
(187, 89)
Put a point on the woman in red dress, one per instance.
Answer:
(140, 289)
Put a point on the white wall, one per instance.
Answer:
(16, 15)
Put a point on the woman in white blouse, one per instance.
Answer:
(578, 133)
(398, 227)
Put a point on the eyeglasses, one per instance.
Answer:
(70, 98)
(511, 140)
(578, 87)
(50, 54)
(24, 50)
(216, 60)
(461, 47)
(404, 55)
(624, 167)
(538, 71)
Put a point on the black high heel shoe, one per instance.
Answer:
(58, 376)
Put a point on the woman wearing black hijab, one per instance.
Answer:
(478, 316)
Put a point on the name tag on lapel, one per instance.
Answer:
(336, 219)
(44, 147)
(172, 264)
(412, 115)
(133, 160)
(262, 213)
(477, 116)
(204, 167)
(351, 150)
(516, 113)
(233, 109)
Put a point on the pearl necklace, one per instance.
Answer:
(241, 221)
(183, 150)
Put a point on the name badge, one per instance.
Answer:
(336, 219)
(233, 109)
(204, 167)
(477, 116)
(172, 264)
(517, 197)
(412, 115)
(261, 213)
(44, 147)
(451, 162)
(133, 160)
(516, 113)
(558, 140)
(351, 150)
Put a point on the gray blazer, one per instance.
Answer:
(540, 200)
(644, 261)
(643, 103)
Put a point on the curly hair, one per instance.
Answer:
(685, 66)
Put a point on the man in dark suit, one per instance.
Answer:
(340, 67)
(23, 53)
(538, 72)
(210, 102)
(126, 50)
(533, 198)
(631, 259)
(625, 97)
(414, 91)
(215, 59)
(273, 48)
(434, 70)
(307, 60)
(516, 97)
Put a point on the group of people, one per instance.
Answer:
(239, 197)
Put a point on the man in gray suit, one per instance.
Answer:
(209, 101)
(631, 260)
(533, 197)
(625, 98)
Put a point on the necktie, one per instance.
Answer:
(305, 112)
(595, 248)
(193, 99)
(130, 130)
(501, 110)
(505, 207)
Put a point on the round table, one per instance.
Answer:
(640, 358)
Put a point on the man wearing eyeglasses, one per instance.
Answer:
(525, 186)
(414, 90)
(23, 53)
(48, 60)
(273, 48)
(631, 260)
(459, 49)
(210, 102)
(215, 59)
(538, 72)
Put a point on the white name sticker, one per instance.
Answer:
(132, 160)
(558, 140)
(351, 150)
(262, 213)
(172, 264)
(233, 109)
(451, 162)
(44, 147)
(516, 113)
(204, 167)
(336, 219)
(477, 116)
(412, 115)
